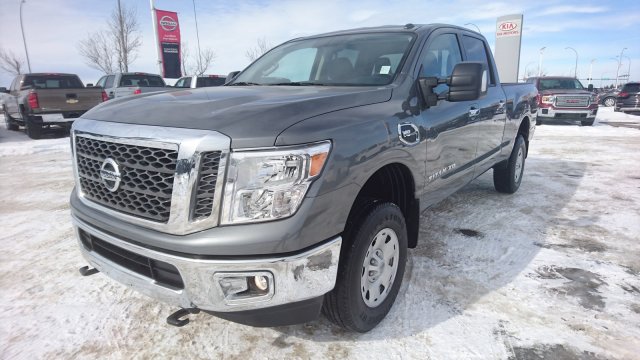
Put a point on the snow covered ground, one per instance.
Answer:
(552, 271)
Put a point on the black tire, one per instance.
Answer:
(538, 121)
(587, 122)
(10, 123)
(32, 129)
(345, 305)
(609, 101)
(507, 179)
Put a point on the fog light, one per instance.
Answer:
(245, 287)
(262, 283)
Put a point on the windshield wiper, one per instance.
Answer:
(297, 83)
(242, 83)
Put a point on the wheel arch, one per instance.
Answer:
(392, 182)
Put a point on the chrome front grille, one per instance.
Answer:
(146, 177)
(207, 180)
(572, 101)
(169, 179)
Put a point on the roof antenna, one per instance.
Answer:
(409, 26)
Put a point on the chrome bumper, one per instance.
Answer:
(552, 112)
(295, 278)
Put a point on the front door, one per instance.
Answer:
(451, 136)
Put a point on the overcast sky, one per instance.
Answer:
(596, 29)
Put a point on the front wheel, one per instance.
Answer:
(9, 122)
(609, 101)
(587, 122)
(371, 269)
(507, 179)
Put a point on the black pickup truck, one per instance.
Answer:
(298, 185)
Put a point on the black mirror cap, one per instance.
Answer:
(590, 87)
(4, 90)
(468, 82)
(231, 76)
(89, 85)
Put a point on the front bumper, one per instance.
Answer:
(551, 112)
(293, 279)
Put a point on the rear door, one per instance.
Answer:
(489, 114)
(451, 136)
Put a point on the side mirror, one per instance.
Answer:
(468, 82)
(89, 85)
(4, 90)
(231, 76)
(590, 87)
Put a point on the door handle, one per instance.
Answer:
(473, 112)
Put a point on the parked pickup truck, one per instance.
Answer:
(299, 185)
(193, 82)
(125, 84)
(565, 98)
(41, 101)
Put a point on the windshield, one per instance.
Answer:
(142, 80)
(341, 60)
(551, 84)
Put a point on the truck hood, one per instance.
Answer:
(252, 116)
(565, 92)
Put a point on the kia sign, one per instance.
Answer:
(508, 41)
(508, 28)
(169, 43)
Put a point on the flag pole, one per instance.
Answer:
(154, 21)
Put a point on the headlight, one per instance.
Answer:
(267, 185)
(549, 99)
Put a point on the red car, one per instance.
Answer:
(564, 98)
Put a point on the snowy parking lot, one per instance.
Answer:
(552, 271)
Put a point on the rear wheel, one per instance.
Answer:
(371, 269)
(507, 179)
(32, 129)
(538, 121)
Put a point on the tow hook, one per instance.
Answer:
(175, 318)
(87, 271)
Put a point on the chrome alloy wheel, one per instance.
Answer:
(519, 165)
(379, 267)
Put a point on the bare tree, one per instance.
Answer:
(98, 51)
(124, 27)
(195, 64)
(115, 48)
(262, 46)
(11, 62)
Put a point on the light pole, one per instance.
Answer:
(590, 72)
(24, 41)
(476, 26)
(195, 16)
(619, 64)
(628, 69)
(575, 70)
(540, 61)
(526, 69)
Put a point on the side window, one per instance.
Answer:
(101, 81)
(439, 58)
(476, 51)
(179, 83)
(187, 82)
(13, 84)
(109, 81)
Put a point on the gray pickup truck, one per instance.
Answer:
(298, 186)
(42, 101)
(125, 84)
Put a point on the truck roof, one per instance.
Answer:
(50, 73)
(415, 28)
